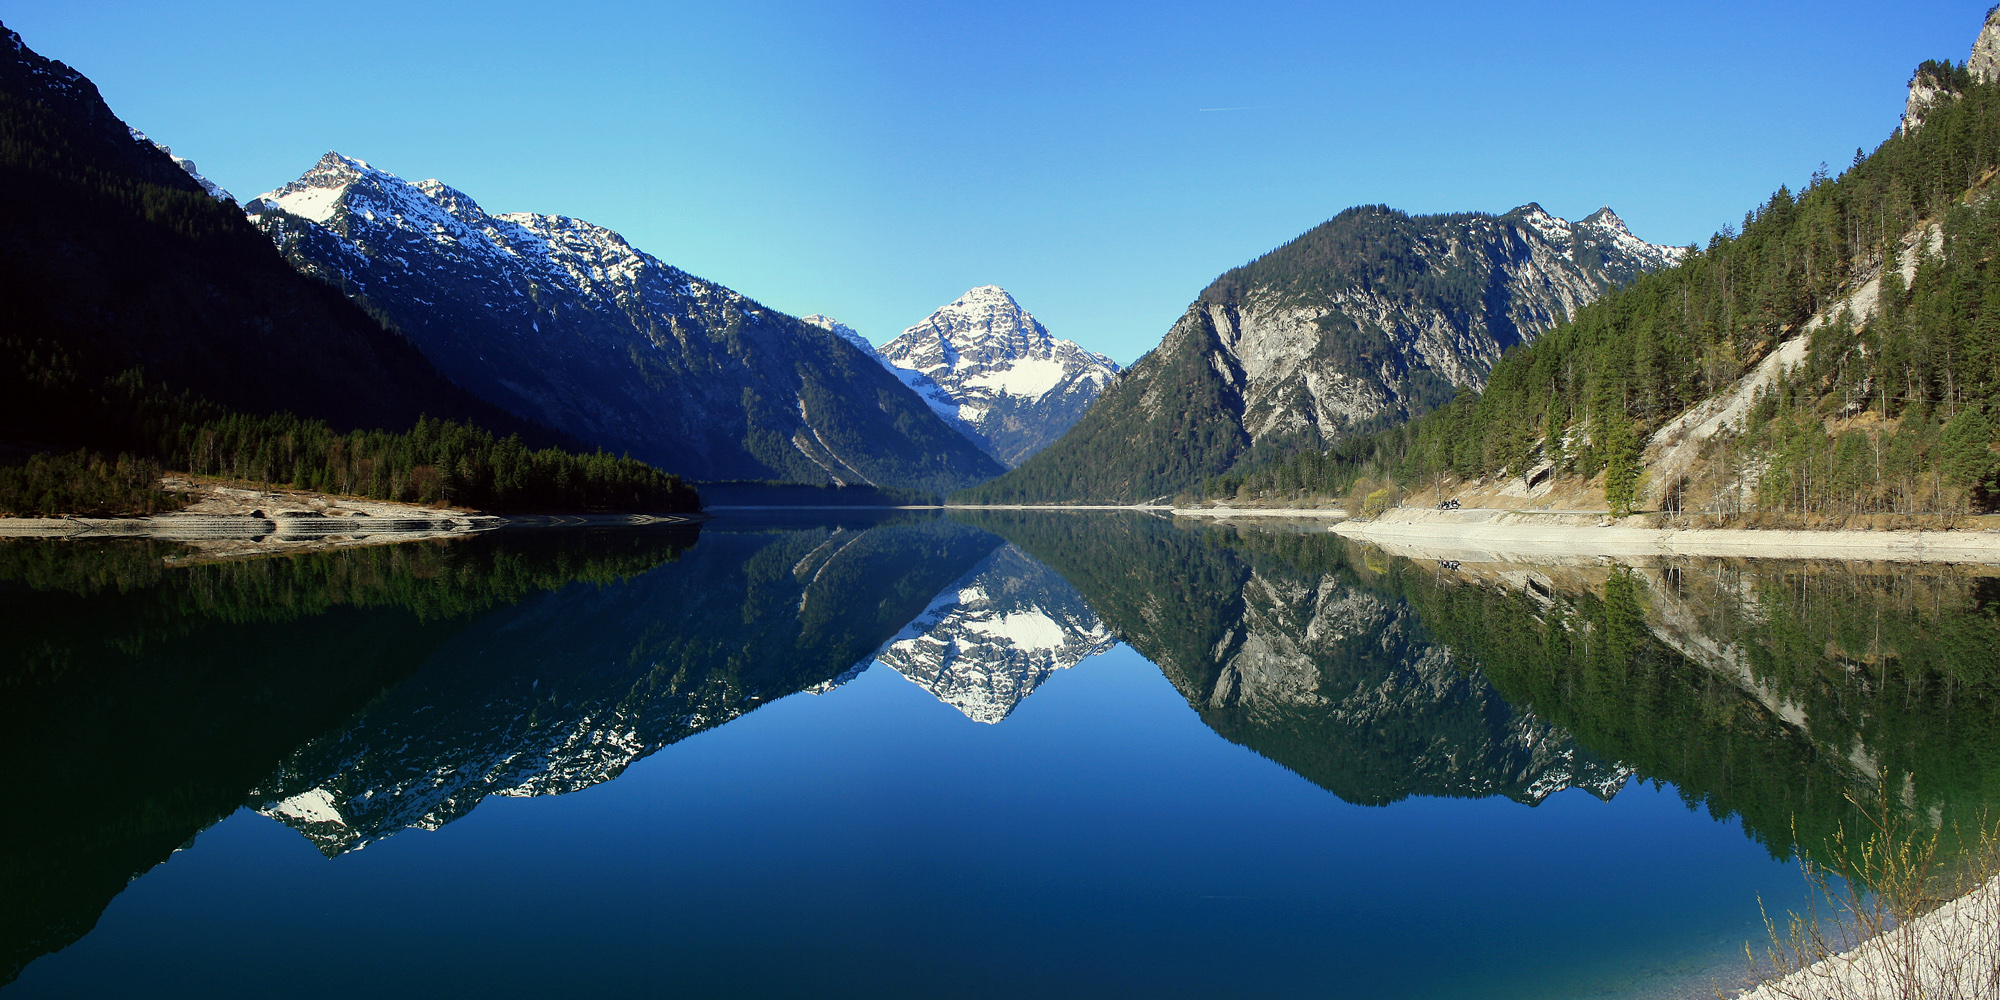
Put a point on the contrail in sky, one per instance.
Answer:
(1247, 107)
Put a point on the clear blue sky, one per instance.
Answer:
(872, 161)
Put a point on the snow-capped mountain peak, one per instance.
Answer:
(1016, 385)
(983, 326)
(987, 641)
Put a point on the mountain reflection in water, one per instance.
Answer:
(354, 694)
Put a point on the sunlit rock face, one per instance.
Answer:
(1371, 318)
(1283, 644)
(990, 639)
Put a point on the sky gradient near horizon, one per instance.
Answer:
(872, 161)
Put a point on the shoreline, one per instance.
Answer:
(1953, 950)
(1515, 536)
(1056, 506)
(230, 522)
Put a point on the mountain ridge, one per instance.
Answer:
(112, 252)
(567, 323)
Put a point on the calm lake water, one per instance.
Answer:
(977, 755)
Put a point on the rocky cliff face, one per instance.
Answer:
(988, 640)
(1364, 321)
(1338, 682)
(1011, 384)
(1940, 81)
(566, 323)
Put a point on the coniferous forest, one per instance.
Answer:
(109, 440)
(1892, 413)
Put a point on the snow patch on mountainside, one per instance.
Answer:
(1030, 377)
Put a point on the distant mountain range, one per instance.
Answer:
(564, 322)
(567, 689)
(1364, 321)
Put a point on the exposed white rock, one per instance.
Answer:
(1338, 662)
(1983, 65)
(1984, 62)
(1273, 341)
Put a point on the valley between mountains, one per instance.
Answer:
(1479, 601)
(1823, 367)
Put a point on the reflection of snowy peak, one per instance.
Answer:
(1012, 382)
(989, 640)
(567, 689)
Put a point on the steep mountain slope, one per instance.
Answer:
(1014, 386)
(1368, 319)
(926, 388)
(113, 253)
(1795, 695)
(144, 702)
(187, 166)
(1838, 358)
(566, 323)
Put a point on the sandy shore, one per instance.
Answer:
(1518, 536)
(1055, 506)
(226, 522)
(1229, 513)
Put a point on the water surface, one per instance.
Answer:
(987, 755)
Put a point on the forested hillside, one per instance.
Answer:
(144, 323)
(1889, 269)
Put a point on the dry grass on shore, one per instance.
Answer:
(1916, 916)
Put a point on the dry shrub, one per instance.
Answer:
(1910, 918)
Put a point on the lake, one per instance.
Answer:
(975, 754)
